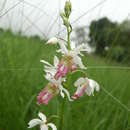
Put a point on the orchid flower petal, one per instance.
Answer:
(90, 88)
(45, 62)
(79, 82)
(67, 93)
(80, 48)
(95, 84)
(61, 90)
(58, 51)
(62, 94)
(78, 61)
(56, 61)
(42, 116)
(52, 40)
(52, 126)
(49, 67)
(63, 48)
(81, 54)
(34, 122)
(44, 127)
(51, 71)
(48, 76)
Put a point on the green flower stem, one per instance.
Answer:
(61, 114)
(68, 32)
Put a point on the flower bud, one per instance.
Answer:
(53, 40)
(65, 20)
(68, 8)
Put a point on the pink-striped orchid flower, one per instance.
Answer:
(74, 53)
(65, 66)
(85, 86)
(70, 60)
(47, 94)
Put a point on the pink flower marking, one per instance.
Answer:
(46, 94)
(61, 72)
(80, 92)
(74, 67)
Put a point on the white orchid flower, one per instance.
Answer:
(85, 85)
(42, 122)
(50, 76)
(74, 53)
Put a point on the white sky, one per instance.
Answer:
(39, 16)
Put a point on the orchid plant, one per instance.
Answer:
(57, 74)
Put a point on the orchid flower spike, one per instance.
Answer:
(42, 122)
(85, 85)
(52, 41)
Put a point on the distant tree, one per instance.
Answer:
(101, 33)
(125, 25)
(81, 34)
(116, 37)
(1, 30)
(124, 42)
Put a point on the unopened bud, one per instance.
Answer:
(68, 8)
(53, 40)
(65, 20)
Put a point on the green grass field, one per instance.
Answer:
(21, 79)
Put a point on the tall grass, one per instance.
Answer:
(21, 78)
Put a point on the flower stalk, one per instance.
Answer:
(67, 9)
(68, 32)
(61, 113)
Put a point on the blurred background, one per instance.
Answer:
(103, 25)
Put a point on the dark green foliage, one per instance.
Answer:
(117, 53)
(98, 34)
(116, 37)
